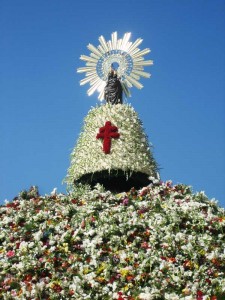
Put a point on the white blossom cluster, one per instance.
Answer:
(161, 242)
(130, 152)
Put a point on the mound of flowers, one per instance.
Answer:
(161, 242)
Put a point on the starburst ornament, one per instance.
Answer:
(123, 56)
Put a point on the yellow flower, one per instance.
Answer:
(47, 252)
(65, 245)
(53, 283)
(100, 279)
(196, 266)
(101, 268)
(124, 272)
(186, 291)
(86, 271)
(202, 252)
(127, 287)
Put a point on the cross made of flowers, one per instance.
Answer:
(106, 133)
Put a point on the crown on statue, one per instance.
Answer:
(119, 55)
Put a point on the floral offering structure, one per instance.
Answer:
(119, 233)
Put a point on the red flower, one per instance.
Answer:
(130, 277)
(199, 295)
(120, 294)
(74, 201)
(28, 278)
(57, 288)
(10, 253)
(71, 292)
(112, 279)
(171, 259)
(92, 219)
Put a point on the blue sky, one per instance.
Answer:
(42, 105)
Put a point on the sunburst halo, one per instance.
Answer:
(121, 52)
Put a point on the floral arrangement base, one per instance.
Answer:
(160, 242)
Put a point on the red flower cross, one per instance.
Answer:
(107, 133)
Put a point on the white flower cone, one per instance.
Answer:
(129, 154)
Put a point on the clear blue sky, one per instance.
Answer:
(42, 105)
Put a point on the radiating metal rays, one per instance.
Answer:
(124, 53)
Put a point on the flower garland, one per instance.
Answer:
(161, 242)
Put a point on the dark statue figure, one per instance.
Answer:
(113, 89)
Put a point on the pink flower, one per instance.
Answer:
(125, 201)
(10, 253)
(83, 224)
(144, 245)
(13, 293)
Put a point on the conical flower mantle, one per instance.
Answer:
(112, 150)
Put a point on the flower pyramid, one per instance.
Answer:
(160, 242)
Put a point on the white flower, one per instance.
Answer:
(54, 192)
(179, 236)
(23, 246)
(172, 296)
(31, 245)
(212, 255)
(37, 235)
(40, 285)
(146, 296)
